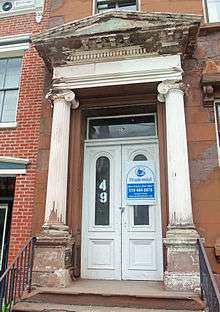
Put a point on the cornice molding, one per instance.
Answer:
(115, 35)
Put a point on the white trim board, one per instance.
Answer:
(11, 46)
(13, 171)
(14, 160)
(120, 72)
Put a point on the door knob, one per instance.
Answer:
(122, 209)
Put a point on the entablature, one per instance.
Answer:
(118, 35)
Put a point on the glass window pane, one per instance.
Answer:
(13, 73)
(141, 215)
(141, 212)
(102, 199)
(140, 157)
(129, 5)
(213, 10)
(123, 127)
(3, 63)
(9, 106)
(2, 232)
(1, 102)
(122, 5)
(103, 6)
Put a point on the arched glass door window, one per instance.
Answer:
(102, 195)
(141, 212)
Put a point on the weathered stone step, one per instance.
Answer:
(121, 294)
(43, 307)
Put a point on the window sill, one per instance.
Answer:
(4, 125)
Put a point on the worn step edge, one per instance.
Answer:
(148, 294)
(135, 301)
(37, 307)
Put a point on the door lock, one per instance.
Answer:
(122, 209)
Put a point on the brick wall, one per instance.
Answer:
(23, 141)
(68, 10)
(202, 145)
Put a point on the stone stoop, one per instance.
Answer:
(42, 307)
(84, 295)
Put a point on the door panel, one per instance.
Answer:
(119, 241)
(141, 230)
(101, 235)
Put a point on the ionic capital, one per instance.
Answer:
(165, 86)
(67, 95)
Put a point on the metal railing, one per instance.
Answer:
(16, 280)
(210, 291)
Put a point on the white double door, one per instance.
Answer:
(119, 241)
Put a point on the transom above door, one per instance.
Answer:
(120, 240)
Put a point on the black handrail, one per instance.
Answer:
(210, 291)
(17, 278)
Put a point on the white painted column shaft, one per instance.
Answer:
(179, 190)
(55, 212)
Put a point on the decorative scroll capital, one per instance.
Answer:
(165, 86)
(68, 95)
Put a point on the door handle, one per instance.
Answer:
(122, 209)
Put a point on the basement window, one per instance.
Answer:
(212, 8)
(121, 5)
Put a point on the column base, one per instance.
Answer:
(182, 272)
(53, 259)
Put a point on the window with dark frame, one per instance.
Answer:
(212, 11)
(10, 71)
(121, 5)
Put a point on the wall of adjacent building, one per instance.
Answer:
(201, 131)
(23, 141)
(63, 11)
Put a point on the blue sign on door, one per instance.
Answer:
(140, 182)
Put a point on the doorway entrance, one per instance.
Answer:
(121, 240)
(7, 187)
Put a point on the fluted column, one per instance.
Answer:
(55, 211)
(180, 206)
(182, 271)
(53, 261)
